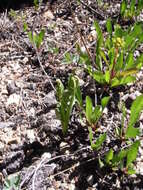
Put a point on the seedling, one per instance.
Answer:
(124, 158)
(99, 141)
(129, 10)
(93, 114)
(66, 100)
(12, 183)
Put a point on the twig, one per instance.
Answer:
(75, 165)
(49, 160)
(38, 57)
(93, 10)
(87, 50)
(69, 49)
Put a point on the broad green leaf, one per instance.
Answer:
(99, 142)
(136, 108)
(109, 26)
(30, 36)
(102, 54)
(107, 76)
(99, 31)
(127, 80)
(90, 135)
(131, 171)
(99, 77)
(123, 7)
(132, 153)
(117, 158)
(40, 38)
(115, 82)
(127, 72)
(132, 7)
(129, 62)
(66, 102)
(132, 132)
(119, 64)
(96, 114)
(89, 109)
(78, 95)
(109, 156)
(105, 101)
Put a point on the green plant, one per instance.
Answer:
(129, 10)
(66, 100)
(114, 62)
(12, 183)
(35, 39)
(99, 141)
(124, 158)
(93, 114)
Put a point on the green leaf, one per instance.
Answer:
(123, 7)
(129, 62)
(136, 108)
(131, 171)
(132, 7)
(96, 115)
(127, 72)
(107, 76)
(90, 134)
(109, 26)
(99, 142)
(102, 54)
(99, 31)
(105, 101)
(131, 132)
(99, 77)
(119, 64)
(30, 36)
(109, 156)
(40, 38)
(132, 153)
(89, 109)
(117, 158)
(78, 94)
(66, 102)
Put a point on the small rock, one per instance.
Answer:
(50, 100)
(48, 15)
(7, 124)
(14, 99)
(46, 155)
(11, 87)
(90, 180)
(30, 135)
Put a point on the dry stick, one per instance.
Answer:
(87, 50)
(38, 57)
(93, 10)
(49, 160)
(72, 167)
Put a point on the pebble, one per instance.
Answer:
(90, 180)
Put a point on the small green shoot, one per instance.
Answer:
(66, 101)
(99, 141)
(12, 183)
(94, 114)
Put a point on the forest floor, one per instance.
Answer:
(32, 145)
